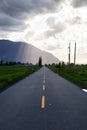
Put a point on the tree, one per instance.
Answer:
(40, 61)
(1, 62)
(63, 64)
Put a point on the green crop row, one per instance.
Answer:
(76, 74)
(11, 74)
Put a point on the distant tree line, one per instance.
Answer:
(58, 65)
(63, 64)
(2, 62)
(13, 63)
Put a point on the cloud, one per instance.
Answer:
(79, 3)
(54, 27)
(74, 20)
(8, 23)
(13, 13)
(51, 22)
(51, 48)
(23, 7)
(54, 47)
(3, 34)
(82, 54)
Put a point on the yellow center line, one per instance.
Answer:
(44, 87)
(43, 102)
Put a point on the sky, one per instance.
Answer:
(49, 25)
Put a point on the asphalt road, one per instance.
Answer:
(43, 101)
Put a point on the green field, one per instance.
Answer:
(76, 74)
(11, 74)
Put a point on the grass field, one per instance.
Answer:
(76, 74)
(11, 74)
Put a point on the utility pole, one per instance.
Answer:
(69, 53)
(75, 54)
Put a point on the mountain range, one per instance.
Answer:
(23, 52)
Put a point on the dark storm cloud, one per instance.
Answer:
(79, 3)
(21, 7)
(14, 12)
(7, 22)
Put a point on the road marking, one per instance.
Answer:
(44, 77)
(44, 87)
(43, 102)
(85, 90)
(44, 81)
(44, 73)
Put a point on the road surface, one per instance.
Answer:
(43, 101)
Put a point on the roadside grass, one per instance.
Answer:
(77, 74)
(12, 74)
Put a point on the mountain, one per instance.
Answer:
(23, 52)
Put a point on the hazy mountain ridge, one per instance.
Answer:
(23, 52)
